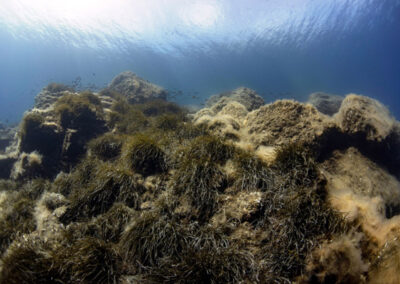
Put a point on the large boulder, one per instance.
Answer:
(284, 122)
(326, 103)
(247, 97)
(136, 89)
(58, 134)
(359, 115)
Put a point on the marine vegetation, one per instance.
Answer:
(35, 261)
(126, 118)
(144, 155)
(107, 184)
(159, 107)
(199, 175)
(252, 173)
(16, 218)
(28, 263)
(80, 112)
(106, 147)
(57, 87)
(146, 193)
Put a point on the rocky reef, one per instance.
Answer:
(122, 186)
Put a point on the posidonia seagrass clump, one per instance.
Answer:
(170, 251)
(106, 147)
(199, 175)
(296, 163)
(16, 218)
(109, 183)
(127, 119)
(28, 262)
(58, 87)
(251, 172)
(295, 214)
(83, 112)
(107, 227)
(88, 260)
(143, 154)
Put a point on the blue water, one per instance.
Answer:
(280, 48)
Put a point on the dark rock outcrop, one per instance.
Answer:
(326, 103)
(6, 165)
(59, 134)
(247, 97)
(136, 89)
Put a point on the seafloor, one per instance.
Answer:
(122, 186)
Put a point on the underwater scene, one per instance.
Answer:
(202, 141)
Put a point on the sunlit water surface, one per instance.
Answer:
(280, 48)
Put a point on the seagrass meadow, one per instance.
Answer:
(123, 186)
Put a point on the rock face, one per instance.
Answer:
(247, 97)
(369, 180)
(359, 115)
(226, 123)
(6, 165)
(285, 122)
(58, 134)
(325, 103)
(136, 89)
(361, 122)
(50, 94)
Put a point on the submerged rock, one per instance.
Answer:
(6, 165)
(326, 103)
(171, 201)
(247, 97)
(368, 181)
(285, 122)
(359, 115)
(28, 166)
(50, 94)
(136, 89)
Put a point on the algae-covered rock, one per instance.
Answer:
(326, 103)
(352, 178)
(235, 109)
(136, 89)
(243, 193)
(28, 166)
(359, 115)
(36, 134)
(50, 94)
(247, 97)
(285, 122)
(60, 133)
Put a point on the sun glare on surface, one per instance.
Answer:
(201, 14)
